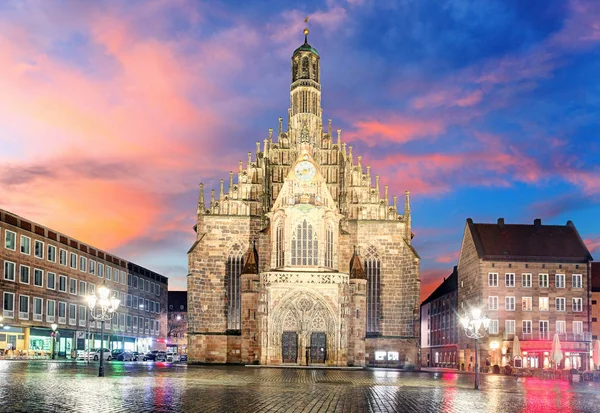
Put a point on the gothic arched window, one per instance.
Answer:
(305, 246)
(329, 247)
(233, 270)
(305, 74)
(373, 272)
(280, 248)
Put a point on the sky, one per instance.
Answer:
(112, 112)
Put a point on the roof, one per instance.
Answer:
(306, 48)
(356, 269)
(596, 276)
(535, 242)
(178, 299)
(251, 265)
(449, 285)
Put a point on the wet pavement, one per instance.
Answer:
(161, 387)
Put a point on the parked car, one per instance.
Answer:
(115, 353)
(136, 356)
(125, 356)
(94, 354)
(172, 357)
(155, 355)
(183, 357)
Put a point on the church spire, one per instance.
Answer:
(201, 208)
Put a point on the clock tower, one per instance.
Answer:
(305, 113)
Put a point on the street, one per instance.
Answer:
(160, 387)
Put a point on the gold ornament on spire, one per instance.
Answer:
(306, 31)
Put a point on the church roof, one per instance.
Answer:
(356, 269)
(306, 48)
(251, 265)
(529, 242)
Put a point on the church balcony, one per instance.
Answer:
(304, 277)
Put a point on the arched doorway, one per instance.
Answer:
(289, 347)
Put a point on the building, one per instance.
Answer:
(44, 280)
(269, 274)
(533, 281)
(595, 307)
(439, 325)
(177, 322)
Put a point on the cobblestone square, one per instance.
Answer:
(160, 387)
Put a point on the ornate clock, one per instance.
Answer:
(305, 171)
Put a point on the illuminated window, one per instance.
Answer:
(380, 355)
(392, 355)
(544, 304)
(233, 270)
(373, 272)
(305, 246)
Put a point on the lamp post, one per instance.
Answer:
(54, 327)
(105, 311)
(476, 326)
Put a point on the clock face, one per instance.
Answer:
(305, 171)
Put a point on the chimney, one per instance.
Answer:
(537, 222)
(501, 222)
(570, 224)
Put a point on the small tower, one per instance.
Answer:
(249, 280)
(358, 312)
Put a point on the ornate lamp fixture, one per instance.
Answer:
(476, 326)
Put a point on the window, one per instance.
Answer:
(122, 300)
(10, 240)
(577, 305)
(560, 280)
(509, 303)
(527, 303)
(561, 327)
(24, 278)
(82, 263)
(135, 281)
(135, 324)
(50, 310)
(509, 326)
(62, 313)
(329, 247)
(38, 305)
(544, 304)
(62, 257)
(577, 281)
(147, 305)
(123, 278)
(157, 307)
(151, 287)
(24, 307)
(560, 304)
(130, 280)
(544, 330)
(9, 305)
(122, 321)
(526, 280)
(543, 280)
(279, 247)
(92, 267)
(38, 277)
(108, 273)
(151, 306)
(147, 283)
(509, 279)
(38, 249)
(158, 290)
(25, 245)
(62, 283)
(82, 287)
(135, 301)
(305, 246)
(9, 270)
(373, 273)
(493, 327)
(141, 324)
(72, 314)
(73, 260)
(72, 286)
(100, 270)
(493, 279)
(51, 253)
(91, 289)
(492, 303)
(233, 269)
(50, 281)
(578, 327)
(128, 300)
(82, 316)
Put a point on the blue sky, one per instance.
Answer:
(114, 111)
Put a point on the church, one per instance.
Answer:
(300, 259)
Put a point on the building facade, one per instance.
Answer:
(595, 307)
(439, 325)
(532, 281)
(177, 322)
(45, 279)
(269, 274)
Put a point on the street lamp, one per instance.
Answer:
(476, 326)
(54, 327)
(105, 311)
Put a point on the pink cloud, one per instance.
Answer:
(393, 129)
(449, 258)
(593, 245)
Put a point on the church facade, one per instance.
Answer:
(301, 259)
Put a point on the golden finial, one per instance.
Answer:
(306, 31)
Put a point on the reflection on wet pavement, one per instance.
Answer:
(160, 387)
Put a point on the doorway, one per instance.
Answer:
(318, 346)
(289, 347)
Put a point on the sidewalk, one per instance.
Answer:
(283, 366)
